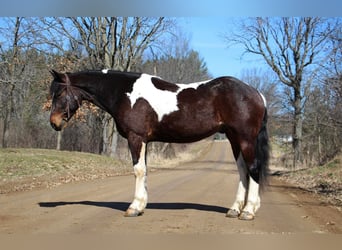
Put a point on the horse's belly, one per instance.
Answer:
(187, 126)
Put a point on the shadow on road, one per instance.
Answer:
(122, 206)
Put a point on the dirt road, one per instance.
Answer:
(190, 198)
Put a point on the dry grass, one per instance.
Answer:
(25, 169)
(325, 180)
(184, 153)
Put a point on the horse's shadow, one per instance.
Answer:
(122, 206)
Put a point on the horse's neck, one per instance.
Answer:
(95, 96)
(103, 94)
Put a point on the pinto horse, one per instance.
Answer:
(147, 108)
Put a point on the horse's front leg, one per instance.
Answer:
(138, 151)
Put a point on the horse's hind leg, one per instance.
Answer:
(138, 151)
(247, 199)
(239, 203)
(252, 203)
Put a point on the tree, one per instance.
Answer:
(323, 117)
(20, 77)
(8, 69)
(291, 47)
(178, 63)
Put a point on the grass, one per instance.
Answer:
(27, 168)
(22, 168)
(325, 180)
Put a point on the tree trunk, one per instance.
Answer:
(59, 140)
(5, 130)
(297, 129)
(110, 136)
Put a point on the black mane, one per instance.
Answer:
(109, 72)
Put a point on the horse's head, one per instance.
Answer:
(66, 99)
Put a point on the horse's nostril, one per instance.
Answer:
(55, 127)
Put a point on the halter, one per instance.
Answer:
(69, 94)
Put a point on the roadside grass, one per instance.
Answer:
(26, 168)
(324, 180)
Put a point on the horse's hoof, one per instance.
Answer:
(131, 212)
(232, 213)
(246, 216)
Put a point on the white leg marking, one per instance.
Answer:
(253, 200)
(140, 196)
(243, 184)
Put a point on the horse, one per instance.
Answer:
(147, 108)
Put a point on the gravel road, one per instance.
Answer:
(191, 198)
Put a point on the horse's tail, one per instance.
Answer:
(262, 149)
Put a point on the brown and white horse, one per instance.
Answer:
(147, 108)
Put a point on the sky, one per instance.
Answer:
(172, 8)
(207, 37)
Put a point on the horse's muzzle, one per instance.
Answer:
(55, 127)
(57, 121)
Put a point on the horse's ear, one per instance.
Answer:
(60, 77)
(66, 79)
(56, 75)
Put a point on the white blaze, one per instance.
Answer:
(163, 102)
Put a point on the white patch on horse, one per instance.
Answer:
(263, 98)
(105, 71)
(163, 102)
(253, 199)
(193, 85)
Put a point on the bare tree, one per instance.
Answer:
(16, 55)
(22, 80)
(290, 47)
(8, 69)
(323, 117)
(178, 63)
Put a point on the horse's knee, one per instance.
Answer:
(139, 170)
